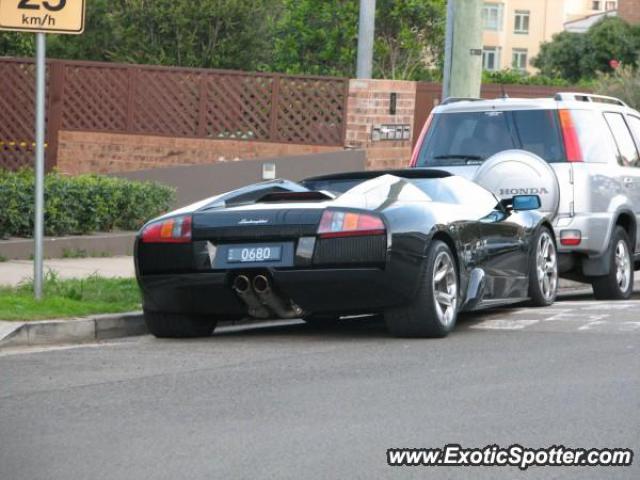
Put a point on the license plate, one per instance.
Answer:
(263, 253)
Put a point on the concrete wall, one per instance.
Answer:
(90, 152)
(196, 182)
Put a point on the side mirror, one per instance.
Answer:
(526, 202)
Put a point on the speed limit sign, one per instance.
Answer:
(43, 16)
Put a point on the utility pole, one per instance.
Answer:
(366, 30)
(463, 49)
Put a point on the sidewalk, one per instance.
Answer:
(15, 271)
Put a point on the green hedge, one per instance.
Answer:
(79, 205)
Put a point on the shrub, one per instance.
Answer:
(80, 204)
(623, 83)
(516, 77)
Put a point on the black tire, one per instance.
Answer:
(539, 297)
(170, 325)
(608, 287)
(421, 318)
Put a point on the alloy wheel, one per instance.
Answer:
(445, 288)
(547, 266)
(623, 266)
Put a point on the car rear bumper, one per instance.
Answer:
(595, 230)
(335, 290)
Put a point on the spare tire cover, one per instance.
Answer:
(518, 172)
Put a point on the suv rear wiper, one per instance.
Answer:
(458, 156)
(463, 159)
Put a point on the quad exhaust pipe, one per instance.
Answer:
(261, 299)
(242, 286)
(276, 304)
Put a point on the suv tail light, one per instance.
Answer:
(347, 224)
(570, 137)
(423, 134)
(171, 230)
(570, 238)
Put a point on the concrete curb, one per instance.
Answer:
(71, 331)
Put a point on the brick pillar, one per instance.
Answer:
(368, 106)
(629, 10)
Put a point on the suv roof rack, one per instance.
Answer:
(588, 97)
(449, 100)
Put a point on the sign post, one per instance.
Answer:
(38, 233)
(41, 17)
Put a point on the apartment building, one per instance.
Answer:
(514, 29)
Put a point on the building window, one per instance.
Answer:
(522, 21)
(491, 58)
(610, 6)
(596, 4)
(519, 59)
(492, 16)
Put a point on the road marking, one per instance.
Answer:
(499, 324)
(579, 316)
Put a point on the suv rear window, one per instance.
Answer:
(467, 138)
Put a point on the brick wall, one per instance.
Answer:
(629, 10)
(89, 152)
(368, 106)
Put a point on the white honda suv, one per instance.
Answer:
(578, 152)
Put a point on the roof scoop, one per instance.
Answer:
(309, 196)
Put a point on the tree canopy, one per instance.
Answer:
(575, 56)
(294, 36)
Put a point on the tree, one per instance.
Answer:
(16, 44)
(623, 83)
(561, 57)
(409, 38)
(317, 37)
(321, 37)
(575, 56)
(206, 33)
(610, 39)
(292, 36)
(202, 33)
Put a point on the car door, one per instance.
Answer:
(628, 160)
(505, 258)
(499, 247)
(633, 172)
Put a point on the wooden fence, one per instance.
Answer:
(176, 102)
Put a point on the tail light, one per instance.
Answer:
(570, 137)
(171, 230)
(335, 224)
(423, 135)
(570, 238)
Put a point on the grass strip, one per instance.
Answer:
(69, 298)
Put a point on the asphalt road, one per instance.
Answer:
(290, 401)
